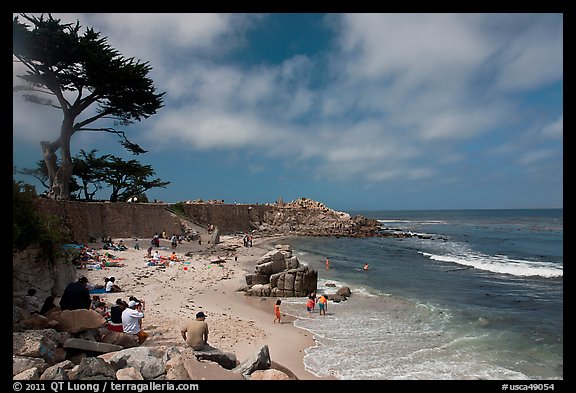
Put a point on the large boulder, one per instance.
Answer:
(279, 273)
(258, 361)
(224, 359)
(74, 321)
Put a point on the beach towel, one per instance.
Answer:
(97, 291)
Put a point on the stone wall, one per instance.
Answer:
(142, 220)
(229, 218)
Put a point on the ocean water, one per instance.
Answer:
(477, 295)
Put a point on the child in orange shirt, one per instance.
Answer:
(310, 304)
(277, 311)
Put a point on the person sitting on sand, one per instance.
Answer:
(116, 311)
(111, 285)
(132, 321)
(76, 296)
(49, 306)
(99, 306)
(31, 302)
(195, 332)
(121, 246)
(142, 302)
(104, 262)
(115, 322)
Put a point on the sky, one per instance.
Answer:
(358, 111)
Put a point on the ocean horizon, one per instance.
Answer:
(458, 295)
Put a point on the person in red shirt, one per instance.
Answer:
(310, 305)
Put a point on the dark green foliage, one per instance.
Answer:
(179, 207)
(128, 178)
(28, 227)
(110, 88)
(90, 170)
(60, 59)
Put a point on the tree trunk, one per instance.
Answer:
(59, 176)
(49, 153)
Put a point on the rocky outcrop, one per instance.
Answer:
(29, 362)
(32, 269)
(80, 348)
(279, 274)
(306, 217)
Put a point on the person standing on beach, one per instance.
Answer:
(323, 304)
(327, 263)
(313, 296)
(195, 332)
(277, 311)
(310, 305)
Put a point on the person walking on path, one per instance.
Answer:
(277, 311)
(195, 332)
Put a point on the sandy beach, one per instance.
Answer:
(209, 280)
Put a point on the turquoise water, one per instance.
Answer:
(479, 295)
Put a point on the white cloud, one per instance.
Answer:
(412, 49)
(554, 130)
(533, 58)
(535, 156)
(404, 92)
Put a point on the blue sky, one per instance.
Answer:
(358, 111)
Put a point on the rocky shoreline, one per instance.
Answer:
(246, 344)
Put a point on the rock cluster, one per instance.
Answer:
(76, 345)
(278, 273)
(306, 217)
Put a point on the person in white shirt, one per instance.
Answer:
(32, 303)
(111, 285)
(132, 321)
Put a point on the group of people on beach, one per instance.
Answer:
(122, 316)
(310, 306)
(322, 303)
(125, 317)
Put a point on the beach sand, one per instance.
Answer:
(237, 323)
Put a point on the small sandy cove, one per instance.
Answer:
(207, 281)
